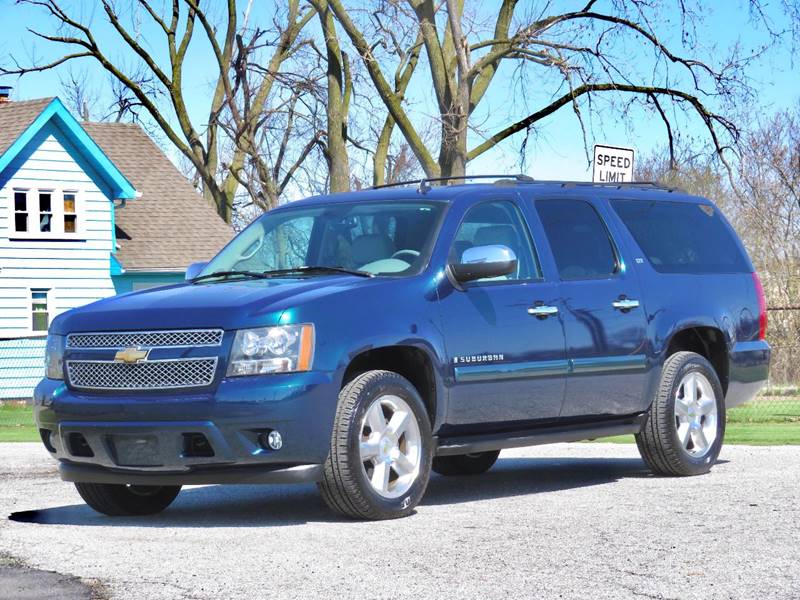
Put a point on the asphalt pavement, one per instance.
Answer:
(562, 521)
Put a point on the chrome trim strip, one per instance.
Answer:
(550, 368)
(484, 372)
(608, 364)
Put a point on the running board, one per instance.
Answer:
(469, 444)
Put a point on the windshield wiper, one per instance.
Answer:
(318, 269)
(226, 274)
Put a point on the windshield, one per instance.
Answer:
(381, 238)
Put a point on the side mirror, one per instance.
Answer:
(194, 269)
(482, 262)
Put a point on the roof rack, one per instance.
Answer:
(424, 185)
(620, 185)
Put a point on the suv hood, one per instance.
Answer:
(227, 304)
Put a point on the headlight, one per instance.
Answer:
(54, 357)
(280, 349)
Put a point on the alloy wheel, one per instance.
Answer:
(696, 414)
(390, 447)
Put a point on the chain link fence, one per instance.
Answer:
(22, 366)
(779, 401)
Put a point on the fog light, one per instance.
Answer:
(272, 440)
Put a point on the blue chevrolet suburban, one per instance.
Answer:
(361, 340)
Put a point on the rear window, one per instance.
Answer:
(679, 237)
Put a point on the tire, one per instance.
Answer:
(465, 464)
(366, 450)
(127, 501)
(670, 441)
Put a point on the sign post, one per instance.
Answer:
(612, 164)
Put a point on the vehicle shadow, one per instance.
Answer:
(286, 505)
(526, 476)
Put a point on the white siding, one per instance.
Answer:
(76, 271)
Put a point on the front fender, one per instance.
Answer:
(399, 312)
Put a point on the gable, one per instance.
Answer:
(55, 120)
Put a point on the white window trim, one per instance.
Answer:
(47, 309)
(56, 214)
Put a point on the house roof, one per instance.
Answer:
(170, 225)
(22, 122)
(15, 117)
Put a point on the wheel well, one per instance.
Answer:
(708, 342)
(410, 362)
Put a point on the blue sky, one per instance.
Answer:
(554, 151)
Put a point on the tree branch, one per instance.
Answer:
(708, 117)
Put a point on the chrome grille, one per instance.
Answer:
(146, 375)
(149, 339)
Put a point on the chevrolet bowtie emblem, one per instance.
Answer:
(131, 355)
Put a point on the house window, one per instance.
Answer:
(39, 313)
(20, 210)
(70, 213)
(45, 211)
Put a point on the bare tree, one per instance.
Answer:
(762, 200)
(241, 97)
(575, 53)
(77, 93)
(338, 93)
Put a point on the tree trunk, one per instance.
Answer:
(379, 167)
(338, 79)
(453, 151)
(457, 120)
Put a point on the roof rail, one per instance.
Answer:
(424, 184)
(617, 185)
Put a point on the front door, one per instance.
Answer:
(506, 365)
(604, 322)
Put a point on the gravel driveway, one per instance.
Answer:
(562, 521)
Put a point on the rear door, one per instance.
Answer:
(604, 320)
(506, 365)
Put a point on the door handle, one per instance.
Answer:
(625, 304)
(541, 311)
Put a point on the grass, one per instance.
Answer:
(16, 423)
(767, 409)
(746, 434)
(767, 421)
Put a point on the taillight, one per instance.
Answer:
(762, 307)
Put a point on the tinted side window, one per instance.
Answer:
(579, 239)
(679, 237)
(494, 223)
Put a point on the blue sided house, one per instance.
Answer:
(87, 210)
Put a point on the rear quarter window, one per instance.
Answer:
(680, 237)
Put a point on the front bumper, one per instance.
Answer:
(148, 438)
(198, 476)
